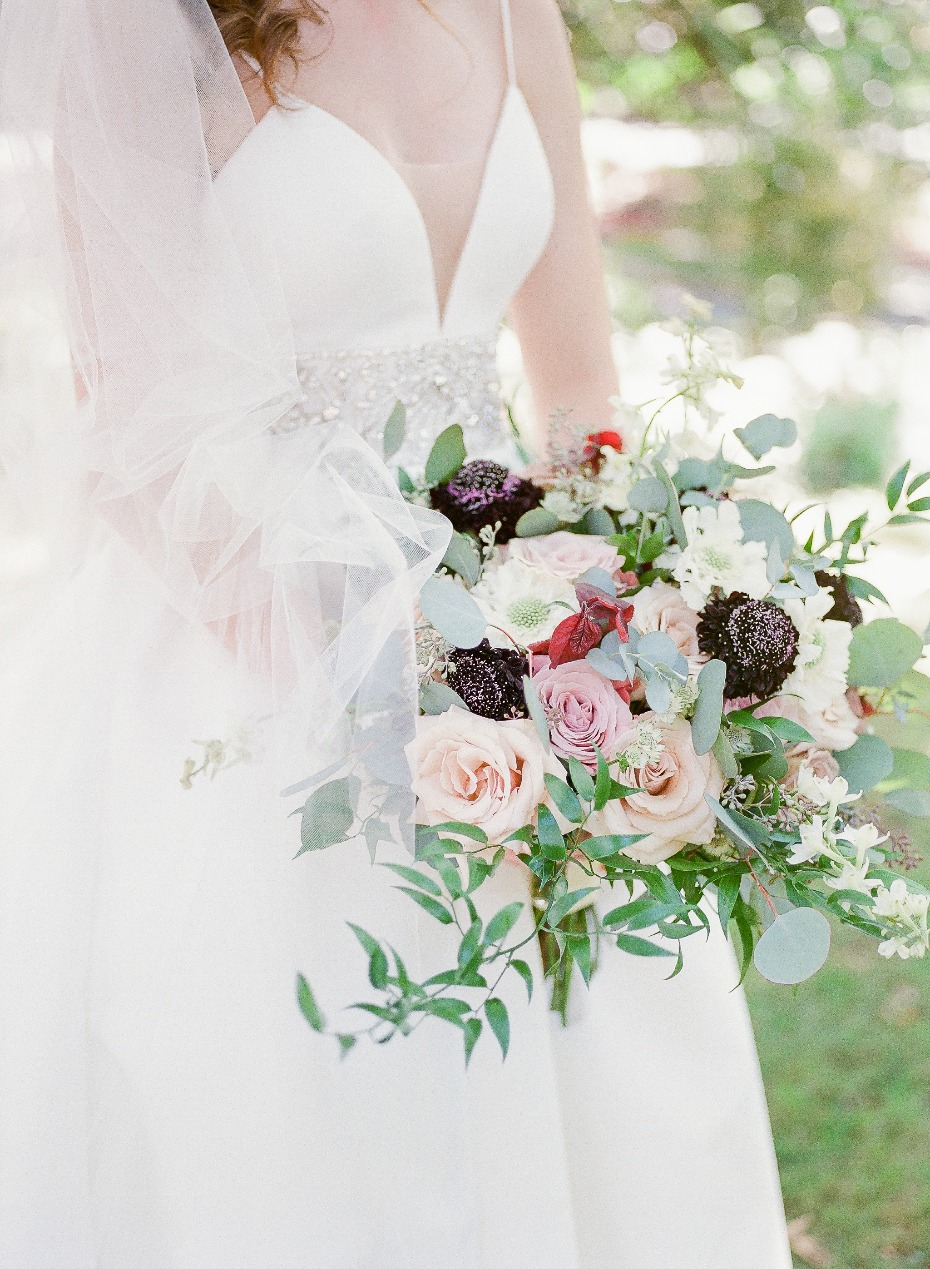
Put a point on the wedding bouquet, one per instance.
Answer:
(636, 678)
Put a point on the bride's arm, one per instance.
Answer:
(561, 315)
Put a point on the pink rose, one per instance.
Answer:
(821, 762)
(564, 554)
(661, 607)
(584, 709)
(478, 771)
(670, 809)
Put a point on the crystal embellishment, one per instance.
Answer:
(441, 383)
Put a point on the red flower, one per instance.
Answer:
(574, 637)
(613, 439)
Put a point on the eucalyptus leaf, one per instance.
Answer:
(673, 510)
(598, 522)
(600, 578)
(536, 711)
(882, 652)
(708, 710)
(764, 523)
(648, 495)
(611, 667)
(794, 947)
(447, 455)
(726, 758)
(328, 814)
(767, 432)
(536, 523)
(866, 764)
(436, 698)
(395, 430)
(915, 802)
(658, 694)
(449, 607)
(463, 557)
(658, 647)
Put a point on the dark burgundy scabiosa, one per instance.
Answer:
(489, 680)
(845, 607)
(756, 638)
(486, 493)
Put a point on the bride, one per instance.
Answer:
(271, 220)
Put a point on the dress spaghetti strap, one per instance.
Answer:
(508, 42)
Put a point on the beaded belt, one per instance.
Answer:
(440, 383)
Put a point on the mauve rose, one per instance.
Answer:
(669, 808)
(479, 771)
(584, 708)
(821, 762)
(565, 554)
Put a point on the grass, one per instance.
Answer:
(846, 1060)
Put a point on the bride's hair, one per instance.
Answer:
(266, 30)
(269, 30)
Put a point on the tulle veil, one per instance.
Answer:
(296, 550)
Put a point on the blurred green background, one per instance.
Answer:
(774, 160)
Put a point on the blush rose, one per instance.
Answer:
(478, 771)
(669, 808)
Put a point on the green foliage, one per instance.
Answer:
(792, 209)
(446, 456)
(794, 947)
(882, 652)
(449, 607)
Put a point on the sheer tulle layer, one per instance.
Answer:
(163, 1104)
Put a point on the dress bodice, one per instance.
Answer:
(357, 269)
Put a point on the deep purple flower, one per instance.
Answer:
(485, 493)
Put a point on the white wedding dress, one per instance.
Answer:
(163, 1105)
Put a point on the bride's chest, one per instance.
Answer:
(372, 256)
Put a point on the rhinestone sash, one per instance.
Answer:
(440, 383)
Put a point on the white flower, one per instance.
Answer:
(854, 877)
(905, 916)
(824, 793)
(863, 839)
(525, 602)
(814, 842)
(615, 479)
(563, 506)
(819, 676)
(716, 555)
(647, 748)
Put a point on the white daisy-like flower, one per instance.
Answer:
(527, 603)
(716, 555)
(822, 662)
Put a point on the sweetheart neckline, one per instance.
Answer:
(513, 91)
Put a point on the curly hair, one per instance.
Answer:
(266, 30)
(269, 30)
